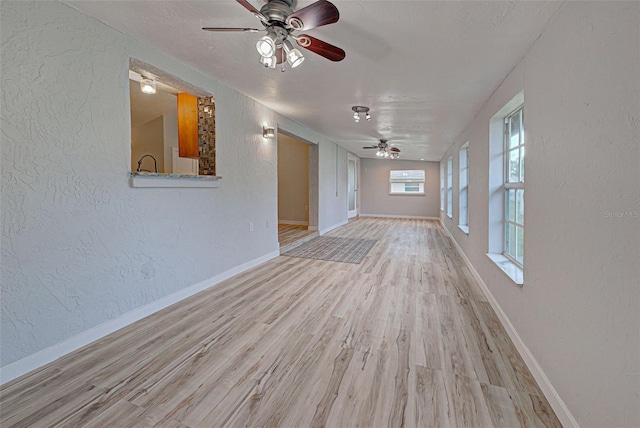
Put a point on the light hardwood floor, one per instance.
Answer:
(289, 233)
(406, 338)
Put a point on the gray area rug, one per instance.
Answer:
(346, 250)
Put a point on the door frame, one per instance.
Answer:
(355, 212)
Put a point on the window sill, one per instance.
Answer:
(512, 270)
(152, 179)
(465, 229)
(406, 193)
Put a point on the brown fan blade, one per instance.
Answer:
(370, 147)
(394, 150)
(232, 30)
(253, 10)
(324, 49)
(280, 57)
(315, 15)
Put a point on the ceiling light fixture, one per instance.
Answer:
(294, 57)
(147, 86)
(268, 61)
(268, 132)
(358, 110)
(266, 45)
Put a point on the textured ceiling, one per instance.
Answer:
(423, 67)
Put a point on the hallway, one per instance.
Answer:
(406, 338)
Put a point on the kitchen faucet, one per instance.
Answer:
(155, 162)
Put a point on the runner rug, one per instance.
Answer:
(345, 250)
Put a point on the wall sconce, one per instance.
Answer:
(268, 132)
(357, 110)
(147, 86)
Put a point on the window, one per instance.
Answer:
(463, 195)
(514, 186)
(506, 189)
(441, 187)
(406, 182)
(450, 187)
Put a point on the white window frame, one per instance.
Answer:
(442, 187)
(515, 186)
(450, 187)
(395, 190)
(463, 193)
(496, 191)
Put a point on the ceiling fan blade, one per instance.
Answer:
(315, 15)
(394, 150)
(324, 49)
(253, 10)
(280, 57)
(370, 147)
(232, 30)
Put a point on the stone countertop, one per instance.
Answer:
(156, 179)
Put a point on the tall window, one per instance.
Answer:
(441, 187)
(450, 187)
(514, 186)
(464, 188)
(406, 182)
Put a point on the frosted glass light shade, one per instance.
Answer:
(148, 86)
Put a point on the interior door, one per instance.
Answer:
(352, 178)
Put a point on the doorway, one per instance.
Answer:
(353, 178)
(297, 190)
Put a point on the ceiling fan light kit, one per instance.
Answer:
(280, 21)
(384, 151)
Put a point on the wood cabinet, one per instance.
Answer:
(187, 125)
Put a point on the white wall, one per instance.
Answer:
(578, 311)
(374, 189)
(170, 135)
(293, 180)
(332, 209)
(148, 138)
(79, 246)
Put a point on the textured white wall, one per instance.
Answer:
(79, 246)
(293, 179)
(333, 186)
(374, 186)
(578, 311)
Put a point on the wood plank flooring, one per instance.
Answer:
(406, 338)
(290, 233)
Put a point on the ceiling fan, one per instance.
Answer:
(384, 151)
(280, 21)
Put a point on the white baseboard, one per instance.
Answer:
(330, 228)
(561, 410)
(52, 353)
(294, 222)
(400, 216)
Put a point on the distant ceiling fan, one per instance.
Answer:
(384, 151)
(280, 21)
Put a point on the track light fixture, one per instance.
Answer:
(358, 110)
(147, 85)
